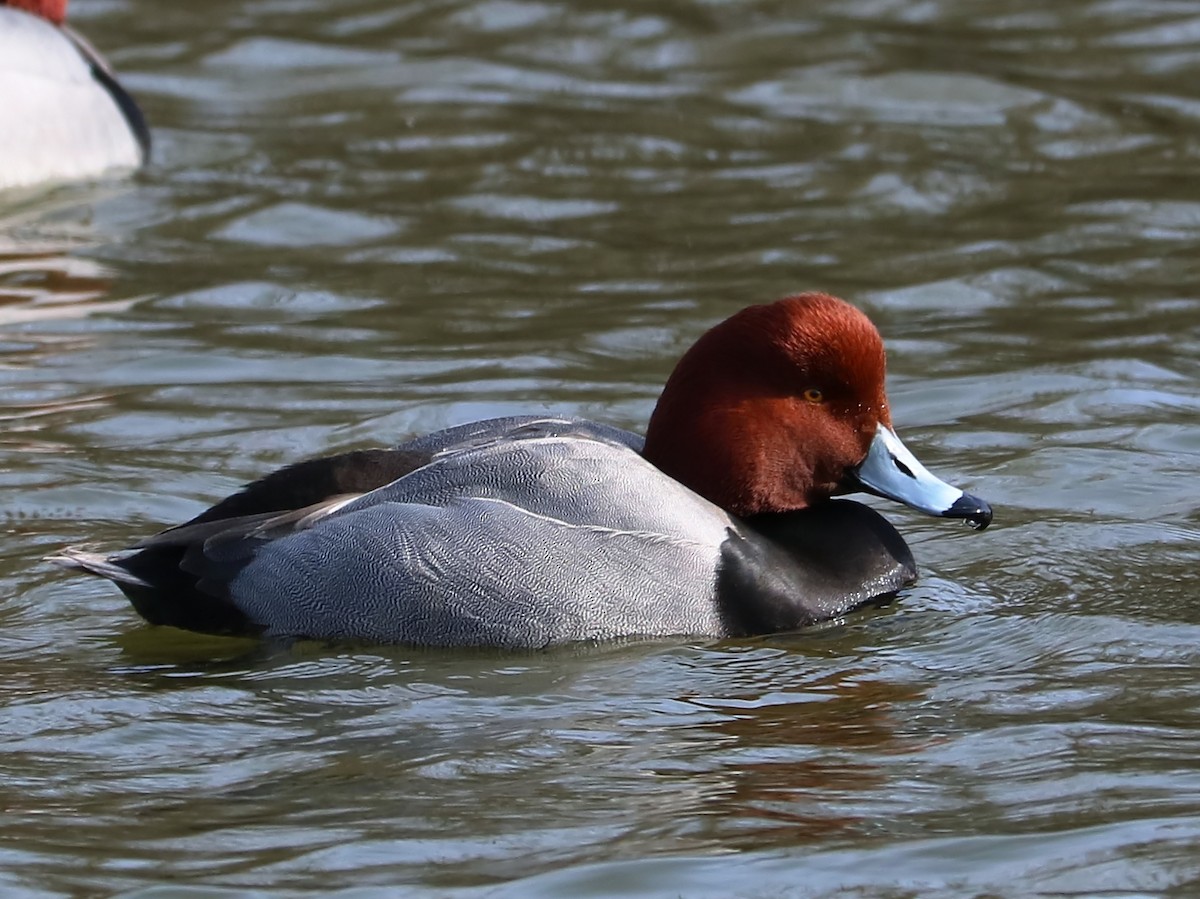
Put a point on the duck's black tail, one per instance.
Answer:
(160, 590)
(108, 567)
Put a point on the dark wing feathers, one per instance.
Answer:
(192, 565)
(315, 481)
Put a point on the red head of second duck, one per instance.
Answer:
(63, 115)
(530, 531)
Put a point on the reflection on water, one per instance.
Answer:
(42, 275)
(41, 280)
(51, 285)
(797, 760)
(367, 220)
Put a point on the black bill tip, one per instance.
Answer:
(972, 509)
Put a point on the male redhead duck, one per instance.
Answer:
(63, 116)
(530, 531)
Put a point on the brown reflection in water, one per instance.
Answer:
(43, 284)
(23, 421)
(837, 722)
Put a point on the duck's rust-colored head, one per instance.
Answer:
(783, 405)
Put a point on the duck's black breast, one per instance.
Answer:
(784, 571)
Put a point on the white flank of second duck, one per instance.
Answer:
(59, 121)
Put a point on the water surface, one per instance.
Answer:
(367, 220)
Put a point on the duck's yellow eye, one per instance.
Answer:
(813, 395)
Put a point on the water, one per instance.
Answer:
(367, 220)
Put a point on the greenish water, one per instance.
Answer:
(367, 220)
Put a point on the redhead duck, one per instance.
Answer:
(63, 115)
(532, 531)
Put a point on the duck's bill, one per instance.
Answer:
(890, 470)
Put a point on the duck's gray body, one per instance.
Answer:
(529, 539)
(517, 532)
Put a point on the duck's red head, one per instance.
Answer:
(783, 405)
(54, 10)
